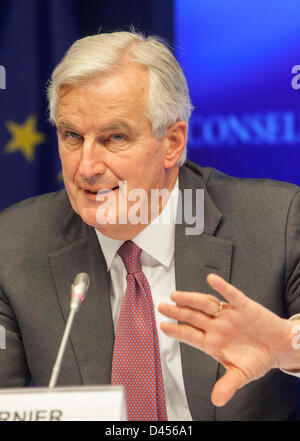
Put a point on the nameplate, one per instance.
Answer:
(82, 403)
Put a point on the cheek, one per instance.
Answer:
(148, 155)
(143, 167)
(69, 162)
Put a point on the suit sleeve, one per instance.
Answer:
(292, 269)
(14, 371)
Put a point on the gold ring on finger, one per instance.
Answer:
(222, 305)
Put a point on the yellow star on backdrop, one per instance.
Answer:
(25, 137)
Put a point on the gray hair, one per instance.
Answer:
(168, 99)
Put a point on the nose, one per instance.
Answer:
(92, 161)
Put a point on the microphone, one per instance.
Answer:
(78, 294)
(79, 290)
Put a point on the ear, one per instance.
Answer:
(174, 143)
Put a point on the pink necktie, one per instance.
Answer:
(136, 359)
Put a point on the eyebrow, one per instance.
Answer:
(118, 125)
(64, 125)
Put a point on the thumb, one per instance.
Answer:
(226, 387)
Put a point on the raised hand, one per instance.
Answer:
(244, 336)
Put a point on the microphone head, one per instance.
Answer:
(79, 290)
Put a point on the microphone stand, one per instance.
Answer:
(78, 294)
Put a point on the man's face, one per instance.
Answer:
(104, 138)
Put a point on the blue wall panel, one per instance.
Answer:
(238, 57)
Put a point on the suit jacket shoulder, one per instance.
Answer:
(45, 244)
(260, 217)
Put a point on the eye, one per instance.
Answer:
(71, 140)
(117, 137)
(72, 135)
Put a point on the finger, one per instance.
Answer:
(227, 386)
(235, 297)
(185, 315)
(185, 333)
(202, 302)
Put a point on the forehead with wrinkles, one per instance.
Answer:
(115, 95)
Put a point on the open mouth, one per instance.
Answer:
(100, 192)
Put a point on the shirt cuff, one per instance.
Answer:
(295, 373)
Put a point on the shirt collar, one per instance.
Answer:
(157, 239)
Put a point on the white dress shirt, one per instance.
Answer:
(157, 241)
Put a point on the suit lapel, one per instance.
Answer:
(195, 257)
(92, 334)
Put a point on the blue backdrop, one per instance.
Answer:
(238, 57)
(34, 35)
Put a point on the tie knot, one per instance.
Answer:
(130, 253)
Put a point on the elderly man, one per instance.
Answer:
(161, 317)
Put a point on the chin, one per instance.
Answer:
(88, 216)
(109, 231)
(116, 231)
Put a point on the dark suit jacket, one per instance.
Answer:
(251, 238)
